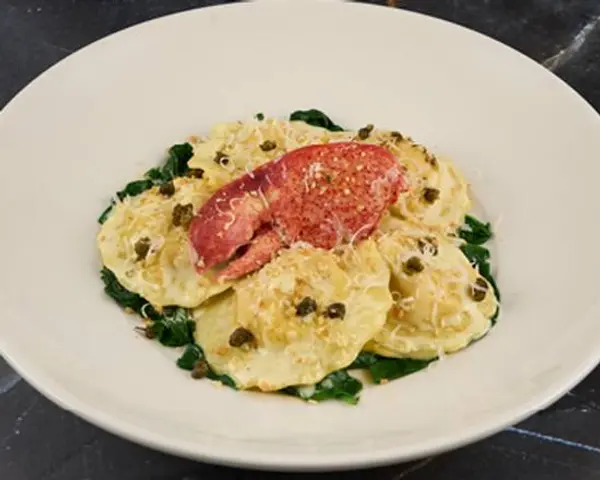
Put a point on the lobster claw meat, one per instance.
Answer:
(325, 195)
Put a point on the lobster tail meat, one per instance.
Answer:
(228, 220)
(324, 195)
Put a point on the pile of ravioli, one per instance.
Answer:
(407, 291)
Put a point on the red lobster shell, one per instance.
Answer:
(324, 195)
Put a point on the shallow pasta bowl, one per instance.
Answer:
(525, 140)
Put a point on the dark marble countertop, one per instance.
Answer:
(39, 441)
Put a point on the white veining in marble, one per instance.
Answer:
(565, 54)
(8, 382)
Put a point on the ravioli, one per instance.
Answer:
(166, 275)
(438, 196)
(435, 289)
(285, 348)
(234, 148)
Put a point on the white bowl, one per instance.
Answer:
(105, 114)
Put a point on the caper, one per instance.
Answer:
(336, 310)
(306, 306)
(413, 265)
(142, 247)
(176, 215)
(268, 145)
(364, 132)
(167, 189)
(478, 290)
(431, 195)
(431, 159)
(396, 136)
(200, 369)
(149, 331)
(196, 173)
(428, 245)
(183, 215)
(240, 336)
(221, 158)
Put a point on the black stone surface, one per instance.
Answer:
(40, 441)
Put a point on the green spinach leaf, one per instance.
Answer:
(106, 213)
(486, 272)
(339, 385)
(174, 328)
(382, 368)
(474, 231)
(364, 360)
(476, 254)
(316, 118)
(174, 166)
(391, 368)
(124, 298)
(154, 174)
(193, 352)
(190, 356)
(135, 188)
(224, 379)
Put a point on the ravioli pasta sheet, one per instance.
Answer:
(434, 311)
(166, 275)
(407, 292)
(288, 349)
(242, 144)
